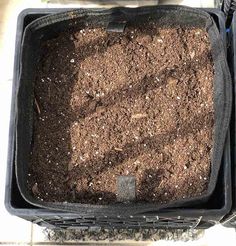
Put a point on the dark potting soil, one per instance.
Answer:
(138, 103)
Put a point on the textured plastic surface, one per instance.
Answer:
(228, 6)
(202, 217)
(47, 27)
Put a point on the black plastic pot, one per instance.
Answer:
(50, 26)
(230, 219)
(201, 216)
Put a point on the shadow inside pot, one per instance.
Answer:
(63, 110)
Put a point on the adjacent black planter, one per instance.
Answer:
(230, 219)
(201, 216)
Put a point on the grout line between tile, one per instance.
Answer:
(15, 243)
(95, 243)
(31, 233)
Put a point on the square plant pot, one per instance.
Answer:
(200, 215)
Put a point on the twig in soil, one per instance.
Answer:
(118, 149)
(37, 106)
(73, 194)
(49, 91)
(139, 116)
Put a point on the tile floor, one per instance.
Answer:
(13, 230)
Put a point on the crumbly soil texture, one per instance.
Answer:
(137, 103)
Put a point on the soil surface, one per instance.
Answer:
(138, 103)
